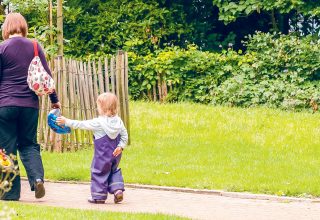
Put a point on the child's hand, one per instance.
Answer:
(117, 151)
(61, 120)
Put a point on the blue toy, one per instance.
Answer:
(52, 118)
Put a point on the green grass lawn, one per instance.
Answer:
(189, 145)
(24, 211)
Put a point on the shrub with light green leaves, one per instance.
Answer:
(285, 73)
(190, 74)
(280, 71)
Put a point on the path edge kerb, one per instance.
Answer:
(240, 195)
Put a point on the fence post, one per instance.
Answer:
(106, 72)
(118, 81)
(126, 96)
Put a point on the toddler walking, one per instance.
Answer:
(110, 138)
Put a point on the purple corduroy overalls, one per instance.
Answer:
(106, 177)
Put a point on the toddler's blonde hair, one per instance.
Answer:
(107, 104)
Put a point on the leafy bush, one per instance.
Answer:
(284, 73)
(192, 74)
(276, 71)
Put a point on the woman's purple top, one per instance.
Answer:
(15, 56)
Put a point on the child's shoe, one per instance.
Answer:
(96, 201)
(118, 196)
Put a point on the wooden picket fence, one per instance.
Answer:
(78, 84)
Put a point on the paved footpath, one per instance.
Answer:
(192, 205)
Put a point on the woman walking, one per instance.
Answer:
(19, 106)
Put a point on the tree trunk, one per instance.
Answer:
(284, 23)
(51, 29)
(60, 27)
(2, 8)
(273, 21)
(50, 22)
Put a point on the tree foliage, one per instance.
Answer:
(230, 10)
(104, 26)
(94, 28)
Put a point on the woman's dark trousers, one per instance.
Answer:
(18, 132)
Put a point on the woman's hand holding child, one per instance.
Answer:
(56, 105)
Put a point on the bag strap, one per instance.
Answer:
(35, 48)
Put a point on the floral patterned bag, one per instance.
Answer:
(38, 79)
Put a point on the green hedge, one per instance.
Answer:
(276, 71)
